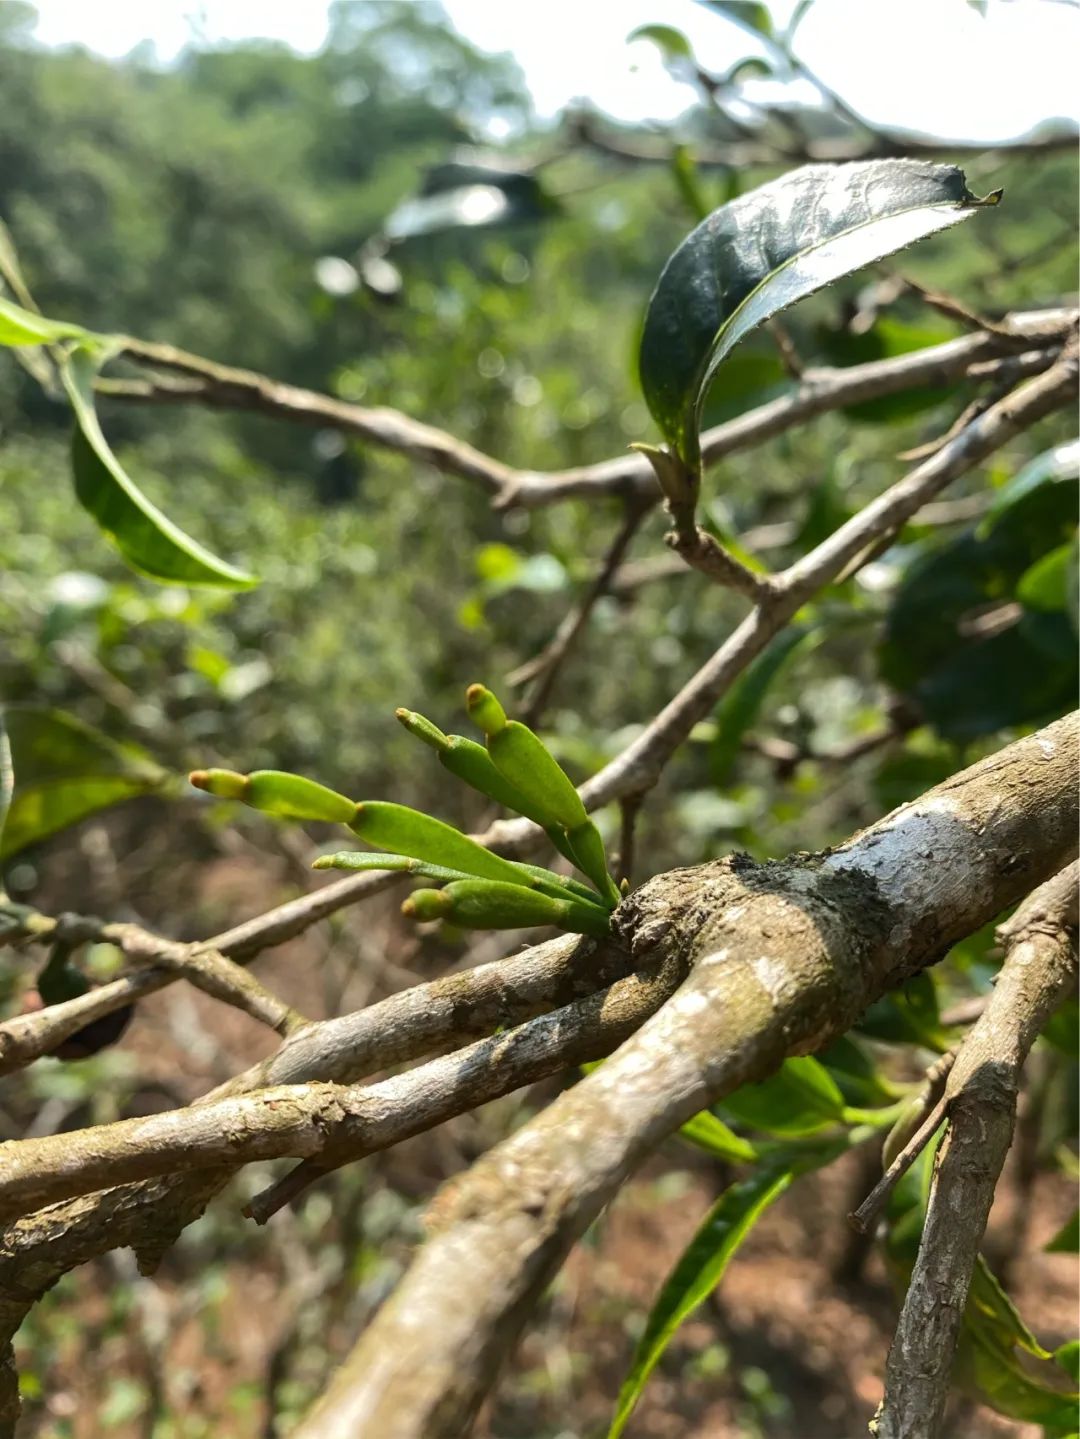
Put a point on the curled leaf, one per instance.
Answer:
(147, 539)
(764, 251)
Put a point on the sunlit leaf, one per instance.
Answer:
(24, 327)
(147, 539)
(766, 250)
(406, 831)
(63, 771)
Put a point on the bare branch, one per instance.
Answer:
(224, 387)
(1038, 973)
(28, 1036)
(785, 956)
(541, 671)
(336, 1123)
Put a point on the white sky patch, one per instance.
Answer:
(928, 65)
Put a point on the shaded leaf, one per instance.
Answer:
(959, 640)
(764, 251)
(63, 771)
(800, 1098)
(697, 1274)
(1067, 1239)
(147, 539)
(713, 1135)
(741, 705)
(705, 1260)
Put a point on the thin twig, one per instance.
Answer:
(1038, 972)
(224, 387)
(542, 670)
(338, 1124)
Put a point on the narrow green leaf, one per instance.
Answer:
(713, 1135)
(764, 251)
(24, 327)
(488, 904)
(63, 771)
(485, 711)
(406, 831)
(364, 860)
(523, 759)
(147, 539)
(697, 1274)
(588, 846)
(559, 885)
(423, 728)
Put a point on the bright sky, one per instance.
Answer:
(932, 65)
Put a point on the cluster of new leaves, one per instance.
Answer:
(479, 890)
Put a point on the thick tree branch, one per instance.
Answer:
(1038, 973)
(784, 957)
(337, 1123)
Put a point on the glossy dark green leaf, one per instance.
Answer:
(147, 539)
(488, 904)
(800, 1098)
(697, 1274)
(24, 327)
(63, 771)
(960, 641)
(742, 704)
(1060, 463)
(764, 251)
